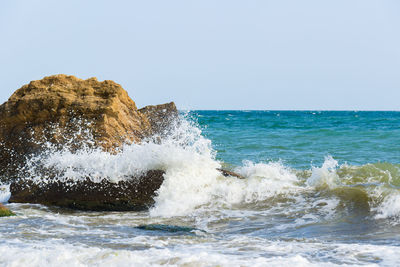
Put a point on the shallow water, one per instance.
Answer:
(321, 189)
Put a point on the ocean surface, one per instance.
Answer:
(321, 188)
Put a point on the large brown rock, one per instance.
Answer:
(64, 111)
(60, 100)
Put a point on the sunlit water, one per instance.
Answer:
(321, 189)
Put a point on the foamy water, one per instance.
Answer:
(329, 214)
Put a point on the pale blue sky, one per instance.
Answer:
(212, 54)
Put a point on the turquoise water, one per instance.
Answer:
(320, 188)
(303, 138)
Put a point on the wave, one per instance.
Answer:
(192, 183)
(4, 193)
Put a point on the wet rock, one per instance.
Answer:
(4, 212)
(63, 111)
(168, 228)
(227, 173)
(161, 117)
(133, 194)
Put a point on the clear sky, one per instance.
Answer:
(212, 54)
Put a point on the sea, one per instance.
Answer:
(319, 188)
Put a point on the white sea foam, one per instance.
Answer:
(389, 208)
(183, 145)
(191, 176)
(68, 255)
(259, 252)
(192, 185)
(325, 175)
(4, 193)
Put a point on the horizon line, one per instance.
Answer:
(318, 110)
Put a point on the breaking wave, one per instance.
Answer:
(193, 184)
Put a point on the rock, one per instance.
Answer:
(67, 112)
(161, 116)
(4, 212)
(111, 114)
(133, 194)
(168, 228)
(64, 110)
(230, 174)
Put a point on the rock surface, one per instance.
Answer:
(63, 109)
(160, 116)
(227, 173)
(134, 194)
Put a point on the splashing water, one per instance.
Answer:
(331, 213)
(192, 180)
(4, 193)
